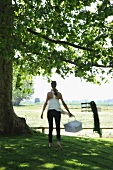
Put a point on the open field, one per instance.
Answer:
(32, 115)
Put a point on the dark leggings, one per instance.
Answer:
(57, 115)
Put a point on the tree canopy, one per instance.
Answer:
(75, 37)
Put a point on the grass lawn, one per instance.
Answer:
(32, 153)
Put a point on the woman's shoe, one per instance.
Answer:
(50, 145)
(59, 145)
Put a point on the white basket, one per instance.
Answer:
(73, 126)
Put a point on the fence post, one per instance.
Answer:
(43, 130)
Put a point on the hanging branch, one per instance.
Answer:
(71, 44)
(58, 41)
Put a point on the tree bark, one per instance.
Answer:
(10, 123)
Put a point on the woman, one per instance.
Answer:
(54, 111)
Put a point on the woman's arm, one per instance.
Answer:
(44, 106)
(66, 107)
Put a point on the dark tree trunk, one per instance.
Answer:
(10, 123)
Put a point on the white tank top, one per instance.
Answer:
(54, 103)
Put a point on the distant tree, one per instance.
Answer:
(37, 100)
(22, 88)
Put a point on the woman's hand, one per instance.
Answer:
(42, 116)
(71, 115)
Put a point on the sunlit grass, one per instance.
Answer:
(32, 115)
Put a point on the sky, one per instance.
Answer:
(73, 89)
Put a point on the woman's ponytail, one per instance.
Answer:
(55, 92)
(53, 84)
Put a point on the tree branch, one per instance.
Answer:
(75, 63)
(58, 41)
(92, 64)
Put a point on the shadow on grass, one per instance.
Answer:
(33, 153)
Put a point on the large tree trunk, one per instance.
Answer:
(10, 123)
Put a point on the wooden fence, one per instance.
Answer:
(44, 128)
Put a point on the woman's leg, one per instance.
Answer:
(57, 122)
(50, 121)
